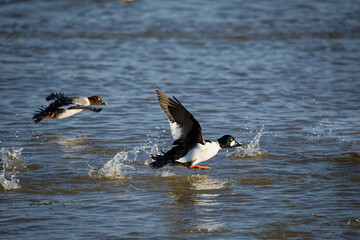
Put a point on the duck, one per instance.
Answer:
(190, 148)
(64, 106)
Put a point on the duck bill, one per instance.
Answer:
(104, 103)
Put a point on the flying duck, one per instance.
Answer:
(64, 107)
(190, 148)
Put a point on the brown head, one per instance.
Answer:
(96, 100)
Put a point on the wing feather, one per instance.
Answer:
(184, 127)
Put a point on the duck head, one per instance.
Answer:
(96, 100)
(228, 141)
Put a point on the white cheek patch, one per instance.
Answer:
(175, 130)
(232, 143)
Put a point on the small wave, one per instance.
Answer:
(251, 150)
(121, 165)
(12, 163)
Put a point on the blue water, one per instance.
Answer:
(282, 77)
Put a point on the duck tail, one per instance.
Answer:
(159, 161)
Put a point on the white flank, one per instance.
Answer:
(200, 153)
(175, 130)
(82, 101)
(68, 113)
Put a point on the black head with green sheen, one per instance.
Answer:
(228, 141)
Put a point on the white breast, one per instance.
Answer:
(200, 153)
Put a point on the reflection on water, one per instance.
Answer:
(75, 144)
(195, 195)
(181, 188)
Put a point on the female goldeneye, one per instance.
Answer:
(190, 148)
(64, 107)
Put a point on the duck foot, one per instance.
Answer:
(197, 166)
(49, 116)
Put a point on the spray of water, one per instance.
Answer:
(250, 150)
(12, 163)
(121, 165)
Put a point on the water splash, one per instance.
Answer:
(121, 165)
(113, 169)
(12, 163)
(251, 150)
(7, 184)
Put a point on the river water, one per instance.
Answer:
(281, 76)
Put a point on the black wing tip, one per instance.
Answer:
(55, 95)
(40, 114)
(36, 120)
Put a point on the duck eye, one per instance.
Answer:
(231, 139)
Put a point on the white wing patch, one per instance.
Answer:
(175, 130)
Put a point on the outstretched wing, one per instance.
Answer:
(59, 103)
(184, 127)
(59, 100)
(55, 96)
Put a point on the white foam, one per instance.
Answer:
(12, 164)
(167, 173)
(11, 184)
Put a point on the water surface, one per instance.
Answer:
(282, 77)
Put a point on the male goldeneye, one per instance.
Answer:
(64, 107)
(190, 148)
